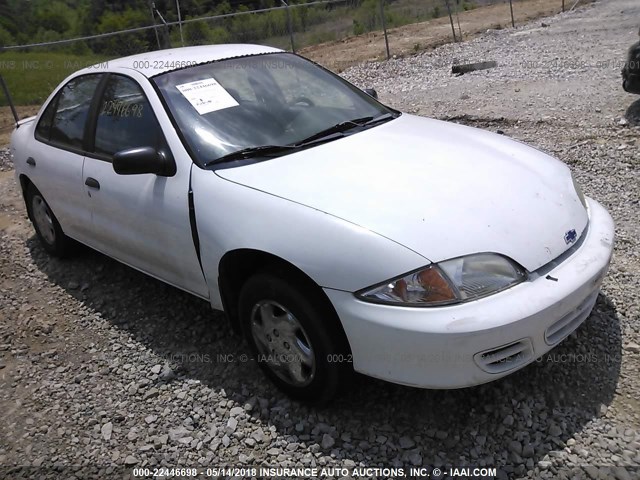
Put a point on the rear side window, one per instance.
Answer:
(125, 118)
(64, 119)
(43, 130)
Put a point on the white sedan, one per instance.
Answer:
(336, 233)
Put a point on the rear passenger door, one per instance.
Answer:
(56, 157)
(142, 220)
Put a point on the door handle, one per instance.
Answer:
(92, 183)
(31, 161)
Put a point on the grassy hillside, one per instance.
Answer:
(31, 76)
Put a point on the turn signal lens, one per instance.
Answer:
(424, 287)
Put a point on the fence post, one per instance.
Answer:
(513, 22)
(562, 6)
(289, 25)
(458, 19)
(152, 6)
(453, 29)
(180, 21)
(164, 33)
(9, 99)
(384, 28)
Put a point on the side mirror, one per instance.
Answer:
(371, 92)
(134, 161)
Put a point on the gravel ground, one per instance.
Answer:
(5, 160)
(102, 367)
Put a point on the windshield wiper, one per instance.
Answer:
(250, 152)
(345, 126)
(337, 128)
(326, 134)
(380, 118)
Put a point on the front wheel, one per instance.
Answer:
(294, 337)
(46, 224)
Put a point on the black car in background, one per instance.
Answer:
(631, 70)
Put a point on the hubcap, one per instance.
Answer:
(282, 343)
(43, 219)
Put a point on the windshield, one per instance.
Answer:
(230, 107)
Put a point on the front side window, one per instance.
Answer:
(63, 121)
(125, 119)
(273, 100)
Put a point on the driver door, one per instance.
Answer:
(141, 220)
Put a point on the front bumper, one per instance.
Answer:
(480, 341)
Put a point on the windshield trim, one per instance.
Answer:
(218, 60)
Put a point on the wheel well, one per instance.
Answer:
(237, 266)
(24, 184)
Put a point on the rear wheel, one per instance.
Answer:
(296, 339)
(46, 224)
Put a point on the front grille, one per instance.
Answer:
(506, 357)
(567, 324)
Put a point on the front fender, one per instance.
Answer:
(333, 252)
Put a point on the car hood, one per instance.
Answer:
(442, 190)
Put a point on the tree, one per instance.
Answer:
(5, 37)
(54, 16)
(124, 44)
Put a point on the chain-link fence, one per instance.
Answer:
(335, 33)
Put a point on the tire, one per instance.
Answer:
(46, 225)
(295, 337)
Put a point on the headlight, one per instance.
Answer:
(452, 281)
(578, 190)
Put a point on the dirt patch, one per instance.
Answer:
(414, 38)
(7, 122)
(12, 211)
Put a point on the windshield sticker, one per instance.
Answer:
(207, 95)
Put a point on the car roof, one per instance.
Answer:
(157, 62)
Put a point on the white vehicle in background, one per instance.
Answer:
(336, 233)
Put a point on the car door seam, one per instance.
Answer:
(193, 224)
